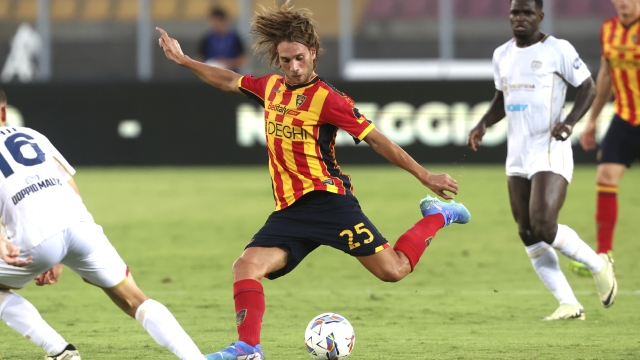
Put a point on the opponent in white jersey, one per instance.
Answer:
(46, 225)
(534, 82)
(531, 75)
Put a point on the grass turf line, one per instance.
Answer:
(474, 294)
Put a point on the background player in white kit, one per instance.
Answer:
(47, 225)
(531, 74)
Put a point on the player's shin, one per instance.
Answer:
(545, 262)
(415, 241)
(166, 331)
(250, 305)
(570, 245)
(606, 216)
(24, 318)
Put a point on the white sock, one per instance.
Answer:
(24, 318)
(545, 263)
(165, 330)
(570, 245)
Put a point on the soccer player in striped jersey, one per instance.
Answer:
(619, 74)
(532, 72)
(314, 201)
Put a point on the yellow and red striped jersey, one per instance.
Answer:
(301, 123)
(621, 48)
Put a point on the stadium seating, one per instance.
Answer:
(381, 9)
(195, 9)
(419, 8)
(25, 10)
(63, 10)
(126, 10)
(4, 9)
(573, 7)
(408, 9)
(96, 10)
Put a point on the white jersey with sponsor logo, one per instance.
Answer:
(36, 202)
(534, 82)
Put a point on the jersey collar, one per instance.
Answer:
(628, 26)
(313, 80)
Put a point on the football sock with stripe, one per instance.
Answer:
(415, 241)
(606, 216)
(166, 331)
(24, 318)
(545, 262)
(250, 306)
(570, 245)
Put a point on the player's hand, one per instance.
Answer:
(439, 183)
(588, 136)
(475, 136)
(171, 47)
(10, 252)
(50, 276)
(562, 131)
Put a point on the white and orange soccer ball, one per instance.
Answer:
(329, 336)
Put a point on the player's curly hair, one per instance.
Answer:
(276, 25)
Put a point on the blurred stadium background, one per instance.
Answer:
(420, 69)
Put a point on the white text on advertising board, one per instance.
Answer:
(433, 124)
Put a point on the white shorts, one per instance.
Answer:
(526, 160)
(82, 247)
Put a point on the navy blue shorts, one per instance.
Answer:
(319, 218)
(621, 144)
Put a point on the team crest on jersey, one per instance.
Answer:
(634, 38)
(577, 63)
(300, 99)
(536, 65)
(240, 316)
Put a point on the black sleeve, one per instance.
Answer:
(202, 47)
(239, 45)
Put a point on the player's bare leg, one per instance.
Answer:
(256, 262)
(608, 178)
(388, 265)
(543, 258)
(548, 191)
(155, 318)
(24, 318)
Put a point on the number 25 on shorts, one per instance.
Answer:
(360, 229)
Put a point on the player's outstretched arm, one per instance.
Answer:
(605, 91)
(225, 80)
(492, 116)
(438, 183)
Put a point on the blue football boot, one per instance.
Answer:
(452, 212)
(238, 351)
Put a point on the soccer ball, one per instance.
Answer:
(329, 337)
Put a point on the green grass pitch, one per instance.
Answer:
(474, 294)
